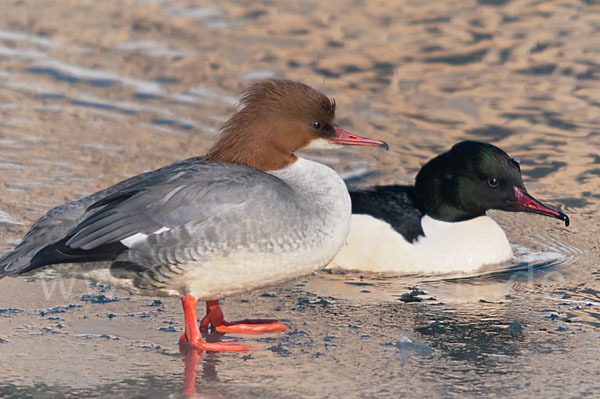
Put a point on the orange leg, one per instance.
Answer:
(214, 318)
(192, 334)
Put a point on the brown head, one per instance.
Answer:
(277, 118)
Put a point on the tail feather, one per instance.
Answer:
(50, 228)
(56, 224)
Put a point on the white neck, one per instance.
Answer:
(317, 184)
(325, 201)
(446, 247)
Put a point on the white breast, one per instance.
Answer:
(324, 198)
(373, 245)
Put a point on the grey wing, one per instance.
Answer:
(242, 219)
(190, 195)
(177, 202)
(57, 222)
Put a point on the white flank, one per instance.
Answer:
(373, 245)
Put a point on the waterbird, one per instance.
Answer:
(248, 214)
(440, 223)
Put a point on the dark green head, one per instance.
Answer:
(471, 178)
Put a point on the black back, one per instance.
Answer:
(396, 205)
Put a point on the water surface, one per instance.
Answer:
(92, 92)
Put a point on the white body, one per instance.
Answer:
(373, 245)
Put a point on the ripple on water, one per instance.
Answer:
(87, 102)
(6, 219)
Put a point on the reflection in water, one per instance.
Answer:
(192, 358)
(86, 102)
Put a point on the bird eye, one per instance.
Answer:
(493, 182)
(316, 125)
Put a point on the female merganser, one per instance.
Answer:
(439, 224)
(248, 215)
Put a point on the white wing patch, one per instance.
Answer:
(137, 237)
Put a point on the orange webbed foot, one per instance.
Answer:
(252, 327)
(214, 317)
(193, 338)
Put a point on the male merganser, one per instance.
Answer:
(439, 224)
(248, 215)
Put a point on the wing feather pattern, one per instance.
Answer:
(184, 202)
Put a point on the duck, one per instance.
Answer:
(439, 224)
(247, 215)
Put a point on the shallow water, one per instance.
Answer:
(91, 93)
